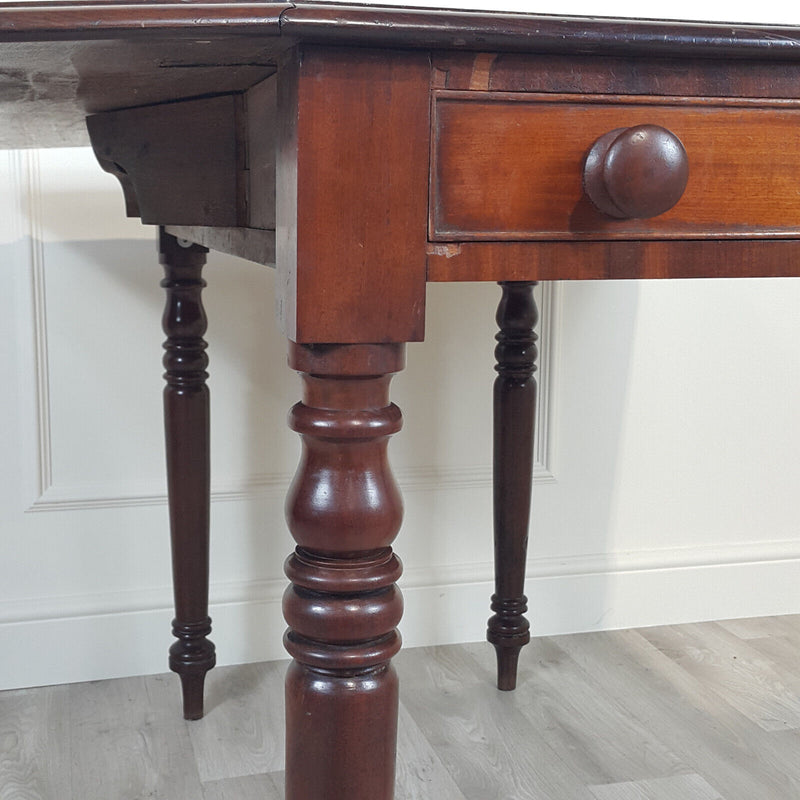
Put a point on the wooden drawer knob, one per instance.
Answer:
(636, 173)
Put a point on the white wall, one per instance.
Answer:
(667, 488)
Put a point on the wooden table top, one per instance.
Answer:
(60, 61)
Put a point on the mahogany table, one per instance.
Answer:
(365, 152)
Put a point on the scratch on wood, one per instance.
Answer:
(482, 71)
(446, 250)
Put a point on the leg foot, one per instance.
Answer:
(507, 660)
(192, 656)
(192, 692)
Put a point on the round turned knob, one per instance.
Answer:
(636, 173)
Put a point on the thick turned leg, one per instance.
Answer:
(186, 428)
(344, 510)
(514, 405)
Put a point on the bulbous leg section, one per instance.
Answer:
(342, 606)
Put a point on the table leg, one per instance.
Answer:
(514, 406)
(186, 425)
(344, 510)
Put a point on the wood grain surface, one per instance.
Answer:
(509, 166)
(352, 192)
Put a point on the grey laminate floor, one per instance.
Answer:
(693, 712)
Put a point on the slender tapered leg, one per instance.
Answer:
(186, 424)
(514, 406)
(344, 510)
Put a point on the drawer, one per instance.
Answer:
(509, 166)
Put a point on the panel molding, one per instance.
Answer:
(26, 188)
(543, 437)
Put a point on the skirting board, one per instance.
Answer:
(581, 596)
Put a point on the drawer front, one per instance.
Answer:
(509, 167)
